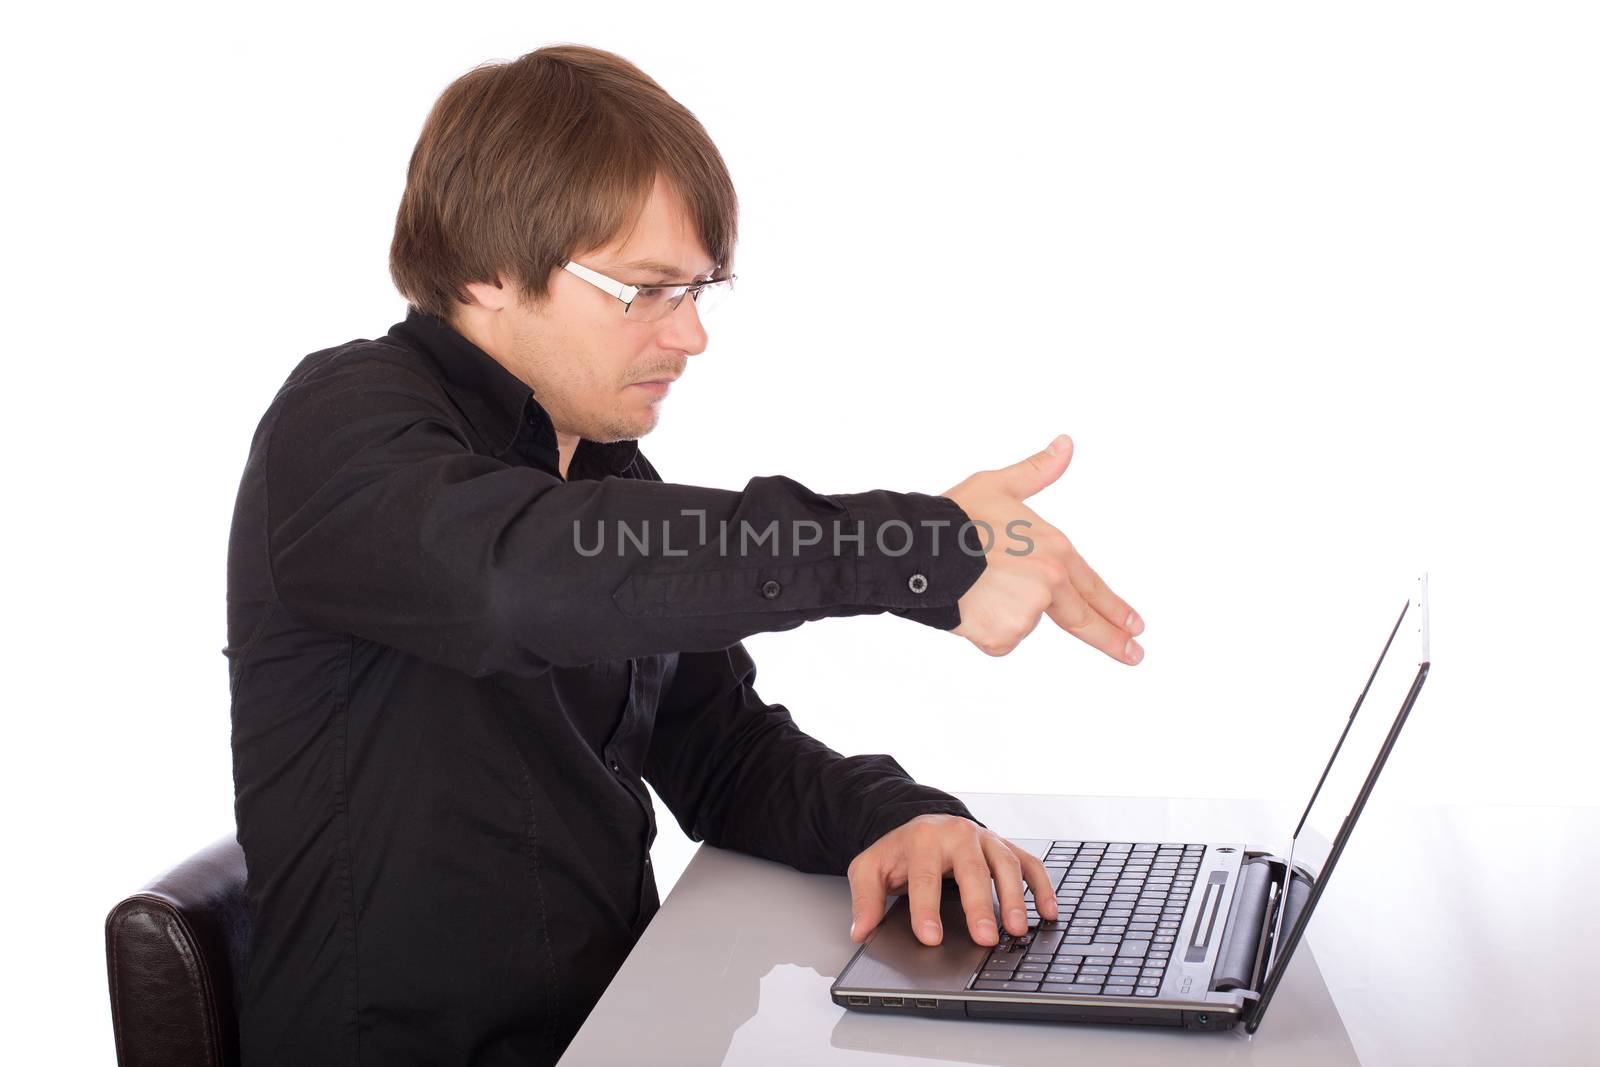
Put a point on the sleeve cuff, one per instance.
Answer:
(918, 554)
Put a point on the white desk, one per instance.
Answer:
(1448, 935)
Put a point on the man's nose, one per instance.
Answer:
(682, 330)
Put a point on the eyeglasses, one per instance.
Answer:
(651, 302)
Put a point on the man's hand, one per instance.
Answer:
(1015, 591)
(916, 856)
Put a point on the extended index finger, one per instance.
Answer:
(1073, 614)
(1099, 596)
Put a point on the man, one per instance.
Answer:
(447, 699)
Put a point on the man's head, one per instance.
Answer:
(567, 153)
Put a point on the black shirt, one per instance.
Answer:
(446, 702)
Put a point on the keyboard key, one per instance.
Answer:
(1100, 960)
(1077, 987)
(1118, 990)
(1133, 948)
(994, 976)
(1093, 968)
(1038, 957)
(1146, 992)
(1119, 979)
(1048, 940)
(1008, 987)
(1125, 970)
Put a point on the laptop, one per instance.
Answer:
(1190, 934)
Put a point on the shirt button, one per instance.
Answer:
(918, 583)
(615, 766)
(770, 589)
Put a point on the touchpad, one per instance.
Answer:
(895, 959)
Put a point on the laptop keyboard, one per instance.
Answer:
(1121, 905)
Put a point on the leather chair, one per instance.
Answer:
(175, 959)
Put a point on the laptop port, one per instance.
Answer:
(927, 1002)
(894, 1002)
(859, 1000)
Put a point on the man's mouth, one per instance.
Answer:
(658, 386)
(659, 383)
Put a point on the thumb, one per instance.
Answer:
(1027, 477)
(867, 899)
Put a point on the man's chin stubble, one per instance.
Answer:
(613, 432)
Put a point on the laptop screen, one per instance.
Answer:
(1362, 747)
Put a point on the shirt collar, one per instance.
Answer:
(500, 406)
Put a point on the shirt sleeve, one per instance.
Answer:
(738, 773)
(383, 522)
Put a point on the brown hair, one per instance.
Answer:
(522, 164)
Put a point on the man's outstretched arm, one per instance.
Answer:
(382, 522)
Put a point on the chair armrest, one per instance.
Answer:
(175, 958)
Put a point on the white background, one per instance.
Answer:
(1313, 289)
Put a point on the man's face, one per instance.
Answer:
(588, 364)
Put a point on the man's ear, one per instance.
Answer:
(495, 296)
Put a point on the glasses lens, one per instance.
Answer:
(709, 296)
(652, 304)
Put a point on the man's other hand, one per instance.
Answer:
(917, 855)
(1019, 584)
